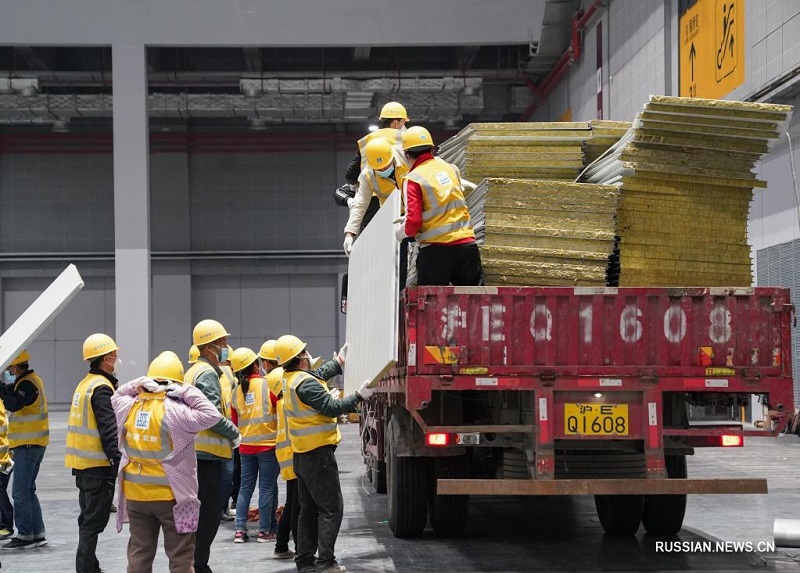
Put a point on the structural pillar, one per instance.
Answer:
(131, 209)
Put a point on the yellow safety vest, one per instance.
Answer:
(308, 429)
(381, 187)
(256, 424)
(445, 218)
(390, 134)
(209, 441)
(283, 448)
(147, 444)
(5, 453)
(227, 389)
(30, 425)
(84, 448)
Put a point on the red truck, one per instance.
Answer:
(571, 391)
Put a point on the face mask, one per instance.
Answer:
(402, 128)
(223, 354)
(113, 363)
(8, 377)
(386, 173)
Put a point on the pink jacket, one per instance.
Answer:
(187, 416)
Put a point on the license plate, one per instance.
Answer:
(596, 419)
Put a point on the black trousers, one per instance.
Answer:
(95, 495)
(459, 265)
(321, 508)
(6, 509)
(289, 517)
(237, 476)
(209, 482)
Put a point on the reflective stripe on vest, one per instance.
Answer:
(84, 448)
(445, 217)
(5, 456)
(256, 424)
(308, 429)
(147, 444)
(227, 383)
(30, 425)
(209, 441)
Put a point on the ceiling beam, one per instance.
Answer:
(252, 59)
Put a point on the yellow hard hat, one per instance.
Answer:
(393, 110)
(379, 154)
(23, 357)
(207, 331)
(97, 345)
(287, 347)
(416, 136)
(166, 366)
(267, 351)
(194, 354)
(241, 358)
(275, 381)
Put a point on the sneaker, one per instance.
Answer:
(113, 508)
(6, 533)
(240, 537)
(335, 568)
(266, 537)
(288, 554)
(17, 543)
(227, 516)
(39, 542)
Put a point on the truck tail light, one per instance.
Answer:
(732, 441)
(438, 439)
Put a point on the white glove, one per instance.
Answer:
(467, 184)
(348, 244)
(334, 393)
(236, 442)
(350, 201)
(364, 391)
(400, 229)
(342, 354)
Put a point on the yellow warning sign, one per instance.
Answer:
(711, 46)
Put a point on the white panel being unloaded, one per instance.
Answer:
(372, 299)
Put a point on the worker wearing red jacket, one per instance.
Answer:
(437, 216)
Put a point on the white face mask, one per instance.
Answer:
(8, 377)
(116, 362)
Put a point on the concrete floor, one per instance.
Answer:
(504, 534)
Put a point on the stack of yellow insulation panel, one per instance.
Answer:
(544, 232)
(520, 150)
(685, 169)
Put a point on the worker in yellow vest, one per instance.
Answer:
(437, 216)
(28, 436)
(194, 354)
(391, 124)
(256, 419)
(311, 414)
(6, 467)
(158, 419)
(92, 448)
(216, 444)
(228, 466)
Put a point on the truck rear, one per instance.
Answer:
(571, 391)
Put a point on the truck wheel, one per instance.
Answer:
(663, 514)
(407, 486)
(619, 514)
(448, 513)
(378, 476)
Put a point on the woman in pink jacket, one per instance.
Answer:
(157, 420)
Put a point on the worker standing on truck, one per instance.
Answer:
(437, 216)
(92, 448)
(28, 437)
(391, 125)
(214, 445)
(311, 413)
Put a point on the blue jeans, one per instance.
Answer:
(27, 511)
(265, 467)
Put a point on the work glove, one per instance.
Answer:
(350, 202)
(342, 354)
(364, 391)
(236, 442)
(175, 391)
(348, 244)
(6, 468)
(400, 229)
(334, 393)
(343, 193)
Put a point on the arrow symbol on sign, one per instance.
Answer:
(692, 56)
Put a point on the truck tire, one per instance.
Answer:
(448, 513)
(663, 514)
(378, 476)
(619, 514)
(407, 488)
